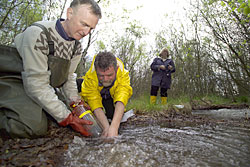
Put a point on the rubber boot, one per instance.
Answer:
(163, 100)
(152, 99)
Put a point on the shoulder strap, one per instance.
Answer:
(50, 42)
(75, 47)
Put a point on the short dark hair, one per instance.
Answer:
(104, 60)
(93, 6)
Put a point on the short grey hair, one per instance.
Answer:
(93, 6)
(104, 60)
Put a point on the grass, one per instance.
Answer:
(218, 100)
(142, 103)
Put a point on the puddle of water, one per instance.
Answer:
(159, 145)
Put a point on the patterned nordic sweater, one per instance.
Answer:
(32, 46)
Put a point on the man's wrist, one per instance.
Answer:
(113, 131)
(115, 124)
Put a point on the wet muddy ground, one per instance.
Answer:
(48, 150)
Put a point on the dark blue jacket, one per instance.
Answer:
(160, 77)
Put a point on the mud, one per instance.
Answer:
(48, 150)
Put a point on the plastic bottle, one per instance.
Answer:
(95, 129)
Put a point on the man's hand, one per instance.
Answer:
(76, 123)
(113, 132)
(100, 115)
(115, 124)
(105, 132)
(110, 132)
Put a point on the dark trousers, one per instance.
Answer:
(154, 90)
(79, 84)
(108, 104)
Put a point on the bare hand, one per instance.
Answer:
(170, 67)
(105, 132)
(113, 132)
(110, 132)
(162, 67)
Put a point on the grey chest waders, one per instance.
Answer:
(20, 116)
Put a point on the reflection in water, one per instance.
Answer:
(159, 145)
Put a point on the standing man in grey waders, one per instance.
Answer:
(44, 60)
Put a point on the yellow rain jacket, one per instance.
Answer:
(120, 91)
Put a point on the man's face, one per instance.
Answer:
(106, 77)
(80, 21)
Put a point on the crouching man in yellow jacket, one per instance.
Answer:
(106, 86)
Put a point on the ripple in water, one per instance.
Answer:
(163, 146)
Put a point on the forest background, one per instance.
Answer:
(211, 52)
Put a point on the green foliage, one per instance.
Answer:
(16, 15)
(100, 46)
(242, 6)
(136, 30)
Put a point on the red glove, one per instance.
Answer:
(76, 123)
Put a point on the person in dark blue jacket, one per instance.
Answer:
(162, 68)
